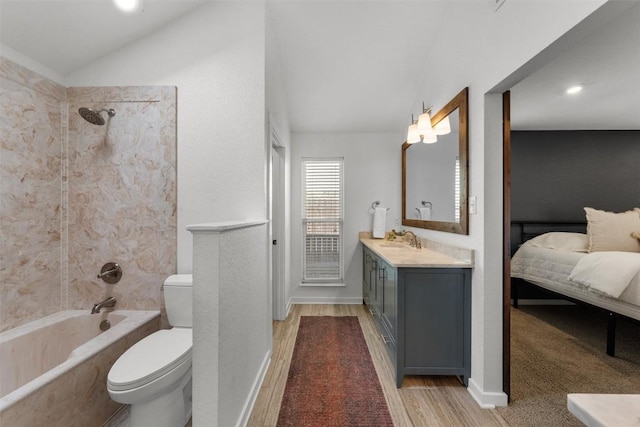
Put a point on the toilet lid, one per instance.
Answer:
(151, 358)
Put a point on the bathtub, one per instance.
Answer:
(53, 370)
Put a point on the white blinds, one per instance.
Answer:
(322, 212)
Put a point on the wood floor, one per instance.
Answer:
(422, 401)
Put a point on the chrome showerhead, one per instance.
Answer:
(94, 117)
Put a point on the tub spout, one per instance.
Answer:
(109, 302)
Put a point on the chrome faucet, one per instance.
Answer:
(414, 240)
(109, 302)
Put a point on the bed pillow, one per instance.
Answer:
(610, 231)
(560, 240)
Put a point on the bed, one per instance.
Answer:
(557, 257)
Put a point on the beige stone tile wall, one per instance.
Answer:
(75, 195)
(32, 109)
(122, 195)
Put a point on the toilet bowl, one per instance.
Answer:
(154, 375)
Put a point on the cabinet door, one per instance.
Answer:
(375, 294)
(366, 275)
(389, 306)
(434, 318)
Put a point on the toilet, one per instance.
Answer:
(154, 375)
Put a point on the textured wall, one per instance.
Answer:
(231, 322)
(32, 129)
(76, 195)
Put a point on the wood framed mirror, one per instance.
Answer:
(435, 181)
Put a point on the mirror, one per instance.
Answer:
(435, 176)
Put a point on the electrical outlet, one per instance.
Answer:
(473, 205)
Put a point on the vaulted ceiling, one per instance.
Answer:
(351, 67)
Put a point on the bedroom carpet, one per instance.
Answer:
(556, 350)
(332, 380)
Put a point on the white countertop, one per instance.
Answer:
(615, 410)
(400, 254)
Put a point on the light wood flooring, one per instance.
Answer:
(422, 400)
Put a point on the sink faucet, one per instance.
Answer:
(414, 240)
(109, 302)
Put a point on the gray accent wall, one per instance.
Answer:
(554, 174)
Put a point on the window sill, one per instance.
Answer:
(323, 285)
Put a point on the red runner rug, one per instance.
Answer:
(332, 381)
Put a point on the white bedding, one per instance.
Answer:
(550, 269)
(609, 272)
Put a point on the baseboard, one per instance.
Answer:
(326, 300)
(289, 305)
(255, 389)
(544, 302)
(487, 400)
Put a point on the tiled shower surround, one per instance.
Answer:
(75, 195)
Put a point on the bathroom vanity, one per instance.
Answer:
(421, 302)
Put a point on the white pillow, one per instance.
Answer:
(610, 231)
(560, 240)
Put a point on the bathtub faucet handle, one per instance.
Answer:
(111, 273)
(109, 302)
(108, 273)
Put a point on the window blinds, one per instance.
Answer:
(322, 215)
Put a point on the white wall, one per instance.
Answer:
(278, 116)
(372, 165)
(485, 48)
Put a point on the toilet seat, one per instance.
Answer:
(151, 358)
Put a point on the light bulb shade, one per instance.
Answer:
(429, 137)
(424, 124)
(412, 134)
(443, 127)
(128, 6)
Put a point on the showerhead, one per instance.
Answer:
(94, 117)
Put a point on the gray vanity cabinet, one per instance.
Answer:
(367, 263)
(388, 276)
(372, 284)
(424, 317)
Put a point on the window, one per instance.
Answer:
(322, 217)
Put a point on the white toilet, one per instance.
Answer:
(154, 375)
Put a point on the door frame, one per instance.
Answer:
(506, 244)
(277, 223)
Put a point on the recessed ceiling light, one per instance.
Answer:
(128, 6)
(574, 89)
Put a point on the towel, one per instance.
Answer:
(424, 214)
(379, 222)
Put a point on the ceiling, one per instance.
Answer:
(349, 68)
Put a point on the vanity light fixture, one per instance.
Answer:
(425, 130)
(443, 127)
(128, 6)
(574, 89)
(412, 133)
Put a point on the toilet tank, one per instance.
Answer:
(178, 300)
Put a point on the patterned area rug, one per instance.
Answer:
(332, 381)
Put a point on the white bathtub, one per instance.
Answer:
(53, 370)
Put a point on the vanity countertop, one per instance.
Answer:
(400, 254)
